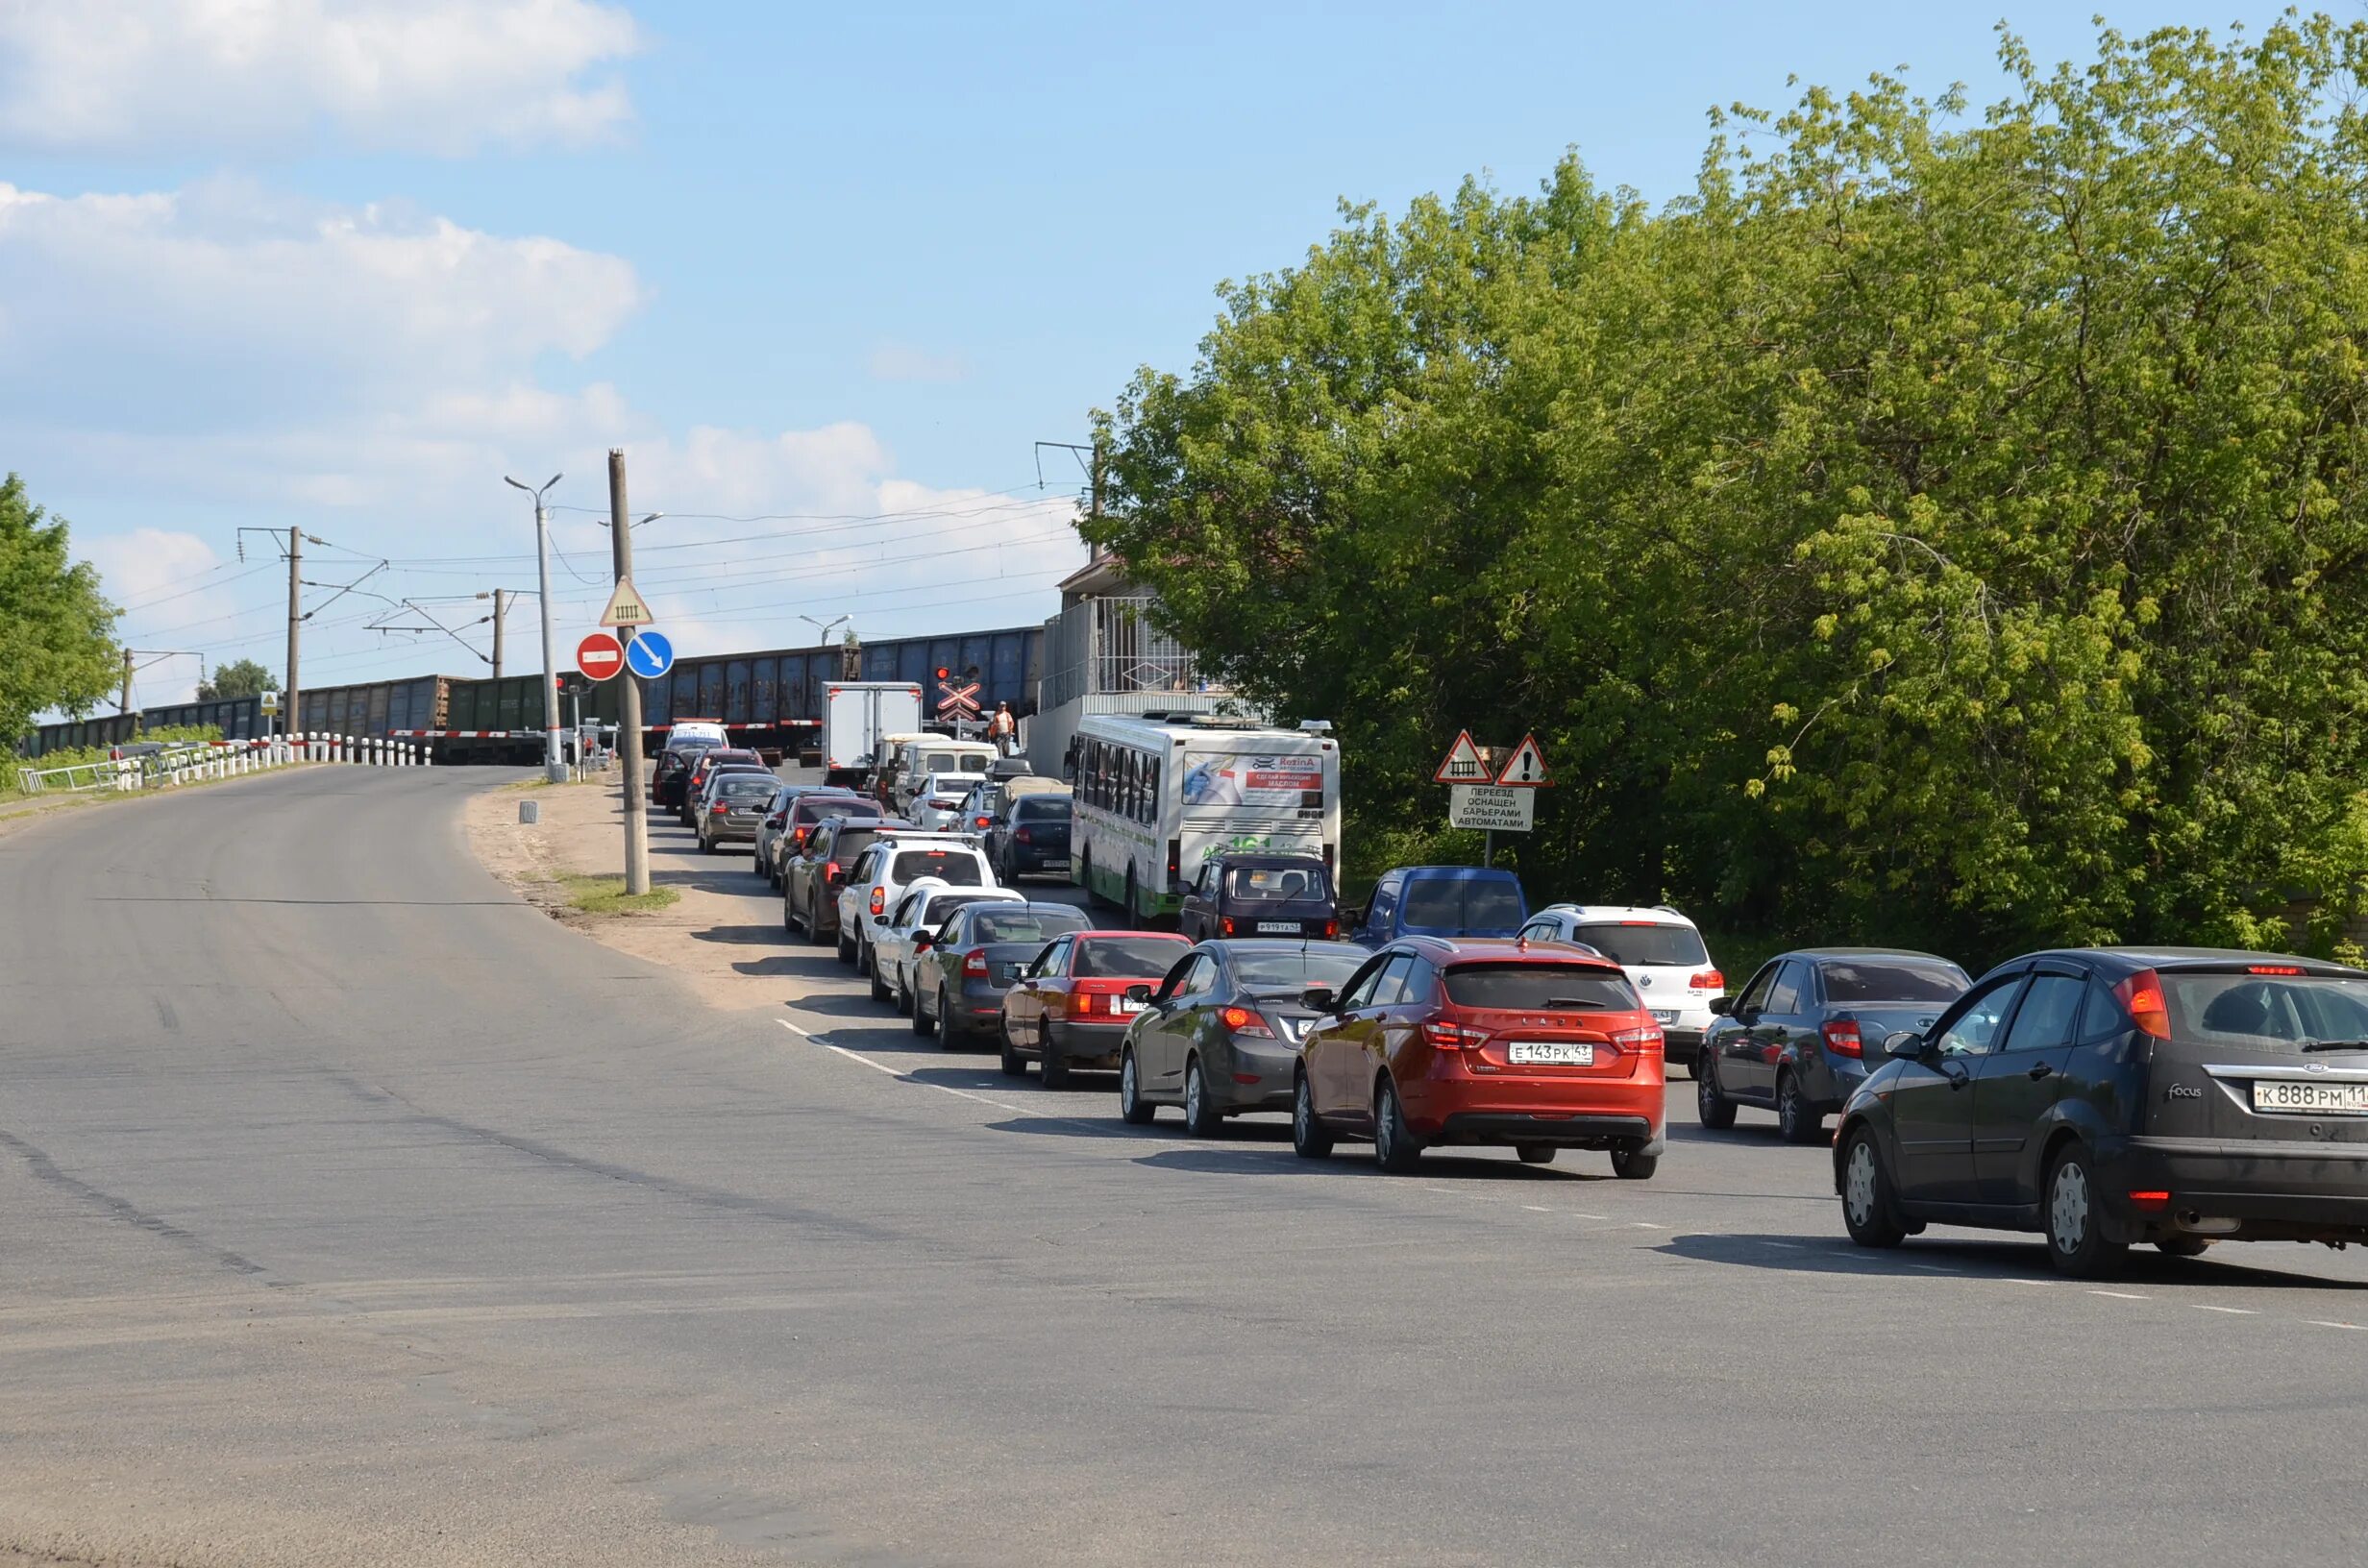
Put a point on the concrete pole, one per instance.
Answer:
(291, 700)
(554, 768)
(628, 696)
(501, 601)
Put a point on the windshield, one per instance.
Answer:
(1026, 924)
(1454, 903)
(1539, 988)
(1892, 980)
(1648, 944)
(1278, 884)
(959, 867)
(2265, 1013)
(1127, 958)
(1289, 973)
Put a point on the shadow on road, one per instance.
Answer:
(2020, 1257)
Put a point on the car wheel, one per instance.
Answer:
(920, 1020)
(905, 998)
(789, 915)
(2074, 1215)
(1395, 1150)
(949, 1035)
(1202, 1119)
(2185, 1246)
(1133, 1109)
(1310, 1138)
(1535, 1154)
(846, 951)
(1796, 1121)
(1013, 1064)
(1711, 1105)
(1866, 1207)
(1634, 1165)
(880, 984)
(1053, 1064)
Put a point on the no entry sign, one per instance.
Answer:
(600, 655)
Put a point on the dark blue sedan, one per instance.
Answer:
(1797, 1039)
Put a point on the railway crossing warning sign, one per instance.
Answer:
(1462, 763)
(1526, 770)
(626, 608)
(957, 700)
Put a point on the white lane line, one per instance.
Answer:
(1789, 1247)
(1536, 1209)
(1645, 1225)
(2120, 1295)
(1576, 1215)
(943, 1089)
(2322, 1323)
(2016, 1279)
(1934, 1269)
(853, 1056)
(2238, 1312)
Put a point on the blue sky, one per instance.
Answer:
(811, 265)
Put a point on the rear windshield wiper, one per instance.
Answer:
(2335, 1044)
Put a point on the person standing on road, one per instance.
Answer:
(1002, 728)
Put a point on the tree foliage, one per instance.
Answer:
(240, 678)
(1938, 527)
(56, 632)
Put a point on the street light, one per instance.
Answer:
(823, 628)
(554, 768)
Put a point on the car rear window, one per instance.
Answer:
(1040, 807)
(1278, 884)
(1289, 974)
(852, 842)
(812, 808)
(1892, 980)
(748, 786)
(938, 762)
(1648, 944)
(1439, 903)
(1024, 925)
(1127, 958)
(2274, 1013)
(1539, 988)
(958, 868)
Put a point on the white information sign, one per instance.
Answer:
(1493, 806)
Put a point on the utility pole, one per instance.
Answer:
(291, 701)
(123, 703)
(554, 769)
(629, 695)
(501, 603)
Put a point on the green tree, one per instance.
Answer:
(57, 633)
(240, 678)
(1931, 529)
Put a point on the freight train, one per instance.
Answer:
(772, 699)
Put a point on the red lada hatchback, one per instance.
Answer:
(1535, 1046)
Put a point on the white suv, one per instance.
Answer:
(1662, 953)
(892, 863)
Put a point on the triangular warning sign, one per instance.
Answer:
(1462, 764)
(624, 608)
(1527, 768)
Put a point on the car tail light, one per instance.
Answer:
(1024, 835)
(1226, 921)
(1644, 1041)
(2141, 997)
(1707, 980)
(975, 962)
(880, 899)
(2150, 1200)
(1248, 1025)
(1841, 1037)
(718, 809)
(1175, 860)
(1442, 1036)
(983, 822)
(830, 872)
(2269, 969)
(1331, 929)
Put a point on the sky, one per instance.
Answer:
(825, 274)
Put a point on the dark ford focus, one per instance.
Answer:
(2111, 1096)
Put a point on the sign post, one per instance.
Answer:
(1490, 796)
(629, 699)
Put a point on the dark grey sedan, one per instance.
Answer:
(1221, 1035)
(1808, 1028)
(732, 805)
(961, 970)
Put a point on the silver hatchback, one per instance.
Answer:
(731, 806)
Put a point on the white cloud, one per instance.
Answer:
(903, 362)
(437, 76)
(168, 580)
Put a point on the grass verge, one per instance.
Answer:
(607, 895)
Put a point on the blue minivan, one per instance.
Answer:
(1441, 902)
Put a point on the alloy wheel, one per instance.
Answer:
(1859, 1184)
(2067, 1208)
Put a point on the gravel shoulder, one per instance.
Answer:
(719, 939)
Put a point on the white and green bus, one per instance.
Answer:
(1156, 796)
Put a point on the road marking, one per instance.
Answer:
(1645, 1225)
(1934, 1269)
(2120, 1295)
(1790, 1247)
(1537, 1209)
(2239, 1312)
(2322, 1323)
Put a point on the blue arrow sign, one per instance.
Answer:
(649, 655)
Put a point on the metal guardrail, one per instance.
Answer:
(184, 764)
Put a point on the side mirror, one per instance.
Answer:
(1320, 998)
(879, 919)
(922, 941)
(1722, 1006)
(1905, 1043)
(1139, 995)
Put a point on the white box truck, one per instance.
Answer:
(857, 716)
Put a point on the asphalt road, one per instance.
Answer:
(352, 1212)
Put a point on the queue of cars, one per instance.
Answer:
(2102, 1097)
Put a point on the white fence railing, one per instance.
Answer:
(219, 759)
